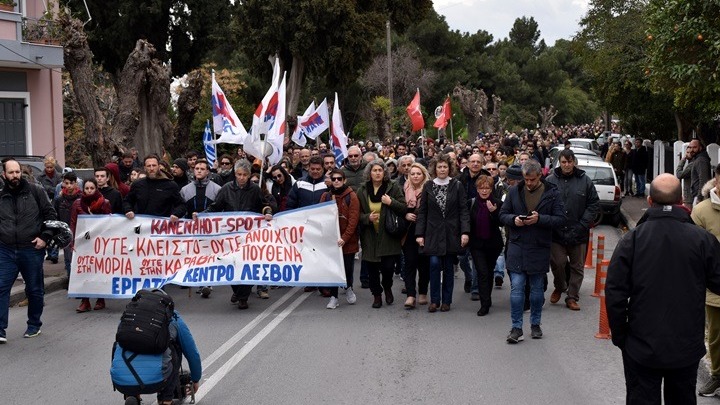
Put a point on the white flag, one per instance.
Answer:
(298, 136)
(225, 121)
(314, 124)
(338, 139)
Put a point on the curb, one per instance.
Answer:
(52, 284)
(627, 219)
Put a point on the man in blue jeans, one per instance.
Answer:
(531, 210)
(23, 209)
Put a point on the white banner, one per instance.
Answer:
(114, 257)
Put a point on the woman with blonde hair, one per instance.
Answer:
(415, 263)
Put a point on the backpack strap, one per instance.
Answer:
(128, 361)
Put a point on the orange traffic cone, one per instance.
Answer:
(603, 324)
(588, 256)
(600, 257)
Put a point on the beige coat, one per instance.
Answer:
(707, 215)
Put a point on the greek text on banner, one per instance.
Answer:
(114, 257)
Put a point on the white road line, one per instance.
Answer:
(212, 358)
(210, 383)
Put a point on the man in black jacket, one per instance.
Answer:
(567, 251)
(155, 194)
(23, 209)
(639, 165)
(655, 298)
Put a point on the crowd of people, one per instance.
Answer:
(419, 209)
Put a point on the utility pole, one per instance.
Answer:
(389, 65)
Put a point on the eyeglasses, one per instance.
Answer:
(278, 177)
(353, 156)
(488, 153)
(337, 179)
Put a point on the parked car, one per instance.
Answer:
(579, 152)
(607, 186)
(36, 163)
(586, 143)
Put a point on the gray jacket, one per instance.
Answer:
(700, 173)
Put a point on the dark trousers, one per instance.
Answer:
(385, 267)
(560, 256)
(415, 265)
(484, 261)
(349, 263)
(643, 383)
(242, 291)
(168, 392)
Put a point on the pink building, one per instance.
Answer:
(31, 59)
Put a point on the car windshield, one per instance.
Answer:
(601, 176)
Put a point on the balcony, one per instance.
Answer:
(41, 31)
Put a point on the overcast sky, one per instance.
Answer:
(556, 18)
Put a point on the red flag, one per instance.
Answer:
(445, 116)
(413, 111)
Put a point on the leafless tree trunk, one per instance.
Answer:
(473, 104)
(546, 116)
(78, 62)
(188, 105)
(495, 125)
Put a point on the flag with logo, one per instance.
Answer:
(298, 135)
(210, 152)
(338, 138)
(413, 110)
(445, 115)
(264, 117)
(276, 130)
(225, 121)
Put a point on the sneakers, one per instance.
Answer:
(3, 339)
(535, 332)
(498, 281)
(205, 292)
(350, 296)
(263, 295)
(555, 296)
(710, 388)
(31, 332)
(515, 336)
(333, 303)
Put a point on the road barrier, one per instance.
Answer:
(600, 257)
(603, 325)
(589, 255)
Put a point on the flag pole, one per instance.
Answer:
(452, 134)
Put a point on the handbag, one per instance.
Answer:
(395, 225)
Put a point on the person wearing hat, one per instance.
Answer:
(179, 171)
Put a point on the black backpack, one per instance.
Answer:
(145, 325)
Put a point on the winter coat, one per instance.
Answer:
(21, 216)
(114, 198)
(528, 249)
(306, 192)
(442, 234)
(77, 209)
(354, 176)
(639, 160)
(48, 183)
(160, 197)
(684, 172)
(233, 198)
(494, 244)
(581, 203)
(376, 244)
(63, 205)
(655, 290)
(348, 217)
(707, 216)
(699, 174)
(189, 194)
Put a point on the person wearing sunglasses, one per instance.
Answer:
(225, 170)
(348, 217)
(282, 184)
(354, 167)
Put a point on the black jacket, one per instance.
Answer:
(232, 198)
(114, 198)
(639, 160)
(581, 203)
(22, 212)
(494, 244)
(442, 234)
(160, 197)
(655, 291)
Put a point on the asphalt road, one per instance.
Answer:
(291, 350)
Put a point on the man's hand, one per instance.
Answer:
(173, 218)
(532, 218)
(39, 243)
(420, 241)
(194, 216)
(518, 221)
(130, 215)
(268, 217)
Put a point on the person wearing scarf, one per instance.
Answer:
(486, 242)
(415, 263)
(91, 202)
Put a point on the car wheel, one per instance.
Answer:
(598, 219)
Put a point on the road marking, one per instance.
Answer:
(210, 383)
(212, 358)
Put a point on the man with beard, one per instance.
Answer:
(23, 209)
(155, 194)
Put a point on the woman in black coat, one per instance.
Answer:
(442, 229)
(486, 242)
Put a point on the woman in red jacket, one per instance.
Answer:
(349, 215)
(92, 202)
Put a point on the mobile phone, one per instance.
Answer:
(523, 217)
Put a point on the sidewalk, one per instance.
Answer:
(632, 209)
(55, 279)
